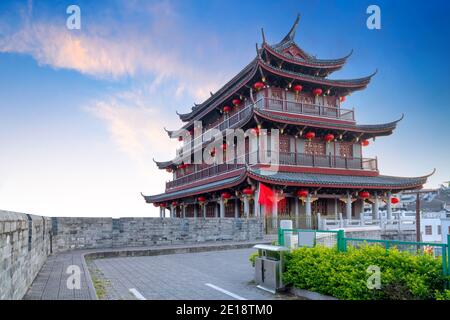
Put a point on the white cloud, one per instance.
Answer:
(107, 50)
(135, 126)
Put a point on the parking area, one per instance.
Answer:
(197, 276)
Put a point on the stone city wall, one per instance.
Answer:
(26, 240)
(87, 233)
(25, 243)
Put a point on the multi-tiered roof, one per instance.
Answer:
(285, 65)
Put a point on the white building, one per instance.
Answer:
(445, 226)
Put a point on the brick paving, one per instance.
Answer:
(179, 275)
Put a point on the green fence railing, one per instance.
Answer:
(337, 239)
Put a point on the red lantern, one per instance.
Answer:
(174, 204)
(226, 109)
(364, 194)
(226, 195)
(224, 146)
(302, 193)
(201, 199)
(258, 86)
(163, 205)
(247, 191)
(395, 200)
(297, 88)
(213, 152)
(342, 98)
(310, 135)
(155, 204)
(191, 132)
(236, 102)
(169, 169)
(365, 143)
(329, 137)
(317, 92)
(180, 138)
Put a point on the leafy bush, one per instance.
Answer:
(252, 258)
(344, 274)
(443, 295)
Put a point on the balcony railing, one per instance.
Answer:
(284, 159)
(288, 106)
(212, 171)
(226, 123)
(285, 106)
(324, 161)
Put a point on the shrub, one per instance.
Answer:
(252, 258)
(344, 274)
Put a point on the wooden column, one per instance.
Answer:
(375, 207)
(274, 211)
(236, 208)
(389, 206)
(348, 206)
(222, 208)
(195, 210)
(216, 210)
(308, 210)
(246, 207)
(296, 211)
(184, 212)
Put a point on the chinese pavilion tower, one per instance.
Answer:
(321, 168)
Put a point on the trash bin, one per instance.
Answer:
(269, 267)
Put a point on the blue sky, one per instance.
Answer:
(82, 111)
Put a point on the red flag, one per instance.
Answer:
(266, 196)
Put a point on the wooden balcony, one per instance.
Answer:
(287, 106)
(284, 159)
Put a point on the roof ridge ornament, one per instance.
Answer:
(291, 34)
(263, 35)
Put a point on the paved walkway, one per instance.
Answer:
(51, 282)
(214, 275)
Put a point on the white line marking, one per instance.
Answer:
(231, 294)
(137, 294)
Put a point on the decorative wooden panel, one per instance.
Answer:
(315, 147)
(345, 149)
(283, 208)
(210, 210)
(304, 98)
(330, 101)
(284, 143)
(229, 209)
(319, 206)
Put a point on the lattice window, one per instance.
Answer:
(428, 230)
(346, 149)
(315, 147)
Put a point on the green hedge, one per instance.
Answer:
(344, 274)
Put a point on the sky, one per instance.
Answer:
(82, 112)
